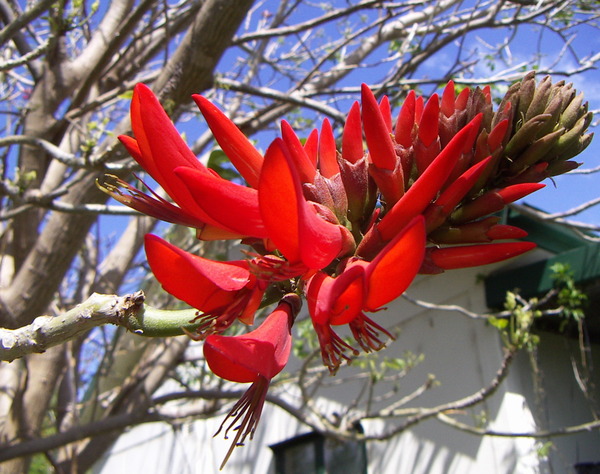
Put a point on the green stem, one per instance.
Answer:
(128, 311)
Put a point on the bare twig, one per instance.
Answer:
(567, 430)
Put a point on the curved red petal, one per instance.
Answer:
(233, 206)
(347, 296)
(244, 156)
(396, 266)
(328, 164)
(262, 352)
(132, 147)
(428, 125)
(306, 169)
(448, 98)
(379, 141)
(320, 241)
(386, 112)
(278, 200)
(406, 121)
(474, 255)
(161, 147)
(291, 221)
(202, 283)
(352, 140)
(311, 147)
(337, 300)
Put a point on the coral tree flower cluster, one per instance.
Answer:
(346, 226)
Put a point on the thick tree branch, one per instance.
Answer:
(128, 311)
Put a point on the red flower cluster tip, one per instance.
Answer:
(349, 229)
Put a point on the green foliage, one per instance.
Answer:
(219, 162)
(306, 341)
(571, 299)
(96, 131)
(378, 367)
(24, 180)
(543, 449)
(515, 329)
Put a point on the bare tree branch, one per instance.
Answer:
(127, 311)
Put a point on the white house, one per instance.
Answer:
(541, 392)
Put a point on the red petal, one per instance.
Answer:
(518, 191)
(379, 141)
(396, 266)
(202, 283)
(428, 125)
(463, 97)
(453, 194)
(311, 147)
(132, 147)
(406, 121)
(337, 300)
(302, 162)
(233, 206)
(497, 135)
(328, 164)
(246, 159)
(448, 97)
(475, 255)
(262, 352)
(352, 140)
(292, 223)
(502, 232)
(386, 112)
(161, 148)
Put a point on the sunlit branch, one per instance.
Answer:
(55, 152)
(26, 58)
(292, 98)
(288, 30)
(128, 311)
(543, 216)
(568, 430)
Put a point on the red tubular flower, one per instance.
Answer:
(437, 212)
(255, 357)
(384, 167)
(159, 149)
(405, 124)
(335, 301)
(428, 145)
(493, 201)
(483, 230)
(223, 291)
(420, 194)
(379, 141)
(297, 227)
(363, 286)
(328, 164)
(233, 206)
(439, 259)
(352, 141)
(305, 167)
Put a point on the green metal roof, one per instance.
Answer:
(566, 245)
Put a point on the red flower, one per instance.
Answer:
(223, 291)
(363, 286)
(304, 231)
(159, 149)
(255, 357)
(349, 228)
